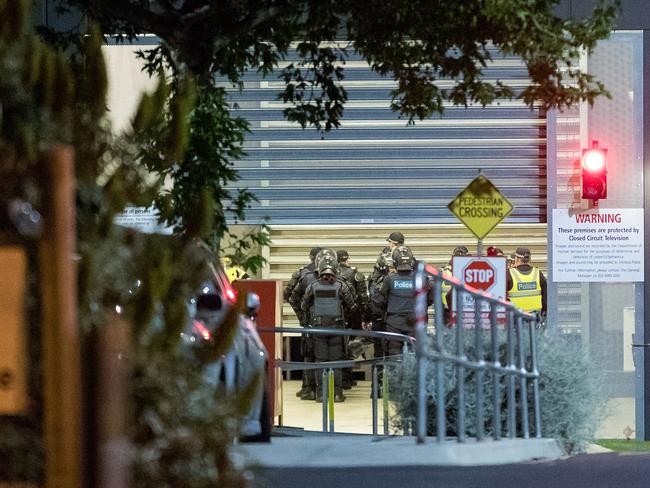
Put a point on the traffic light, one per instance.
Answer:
(594, 172)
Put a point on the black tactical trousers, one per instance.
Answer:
(328, 348)
(380, 345)
(400, 324)
(307, 349)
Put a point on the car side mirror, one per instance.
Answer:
(252, 304)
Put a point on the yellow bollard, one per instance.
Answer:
(330, 398)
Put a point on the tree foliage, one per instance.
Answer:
(416, 43)
(49, 97)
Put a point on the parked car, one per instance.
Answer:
(246, 360)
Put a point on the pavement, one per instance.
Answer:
(311, 450)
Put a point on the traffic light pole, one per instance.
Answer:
(646, 197)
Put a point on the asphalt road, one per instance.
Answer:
(611, 470)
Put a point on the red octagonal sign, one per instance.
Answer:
(479, 274)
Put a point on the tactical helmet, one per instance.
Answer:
(460, 251)
(403, 258)
(385, 260)
(327, 266)
(314, 251)
(328, 254)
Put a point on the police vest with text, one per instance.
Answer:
(401, 298)
(526, 291)
(327, 309)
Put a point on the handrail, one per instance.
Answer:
(331, 365)
(393, 336)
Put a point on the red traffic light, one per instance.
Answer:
(593, 160)
(594, 172)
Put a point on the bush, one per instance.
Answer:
(571, 391)
(569, 384)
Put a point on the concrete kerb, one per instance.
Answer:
(362, 450)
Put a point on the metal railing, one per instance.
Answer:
(489, 308)
(489, 313)
(329, 366)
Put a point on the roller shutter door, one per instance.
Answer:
(377, 169)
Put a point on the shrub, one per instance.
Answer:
(569, 384)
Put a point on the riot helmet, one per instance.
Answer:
(384, 261)
(314, 251)
(326, 266)
(329, 256)
(403, 258)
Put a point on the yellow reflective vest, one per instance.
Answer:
(445, 287)
(526, 291)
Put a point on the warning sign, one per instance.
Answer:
(480, 206)
(599, 245)
(487, 274)
(143, 219)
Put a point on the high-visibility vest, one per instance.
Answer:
(445, 287)
(526, 291)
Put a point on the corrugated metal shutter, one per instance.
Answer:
(376, 168)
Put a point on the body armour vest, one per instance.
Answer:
(401, 297)
(327, 302)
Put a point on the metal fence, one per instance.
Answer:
(520, 366)
(329, 366)
(489, 314)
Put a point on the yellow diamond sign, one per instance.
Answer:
(480, 206)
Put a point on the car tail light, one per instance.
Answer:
(231, 295)
(202, 330)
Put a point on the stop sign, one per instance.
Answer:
(479, 274)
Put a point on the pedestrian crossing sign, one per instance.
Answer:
(481, 206)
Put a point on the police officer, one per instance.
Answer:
(308, 384)
(383, 266)
(357, 280)
(299, 273)
(397, 297)
(447, 272)
(327, 301)
(361, 317)
(526, 284)
(328, 256)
